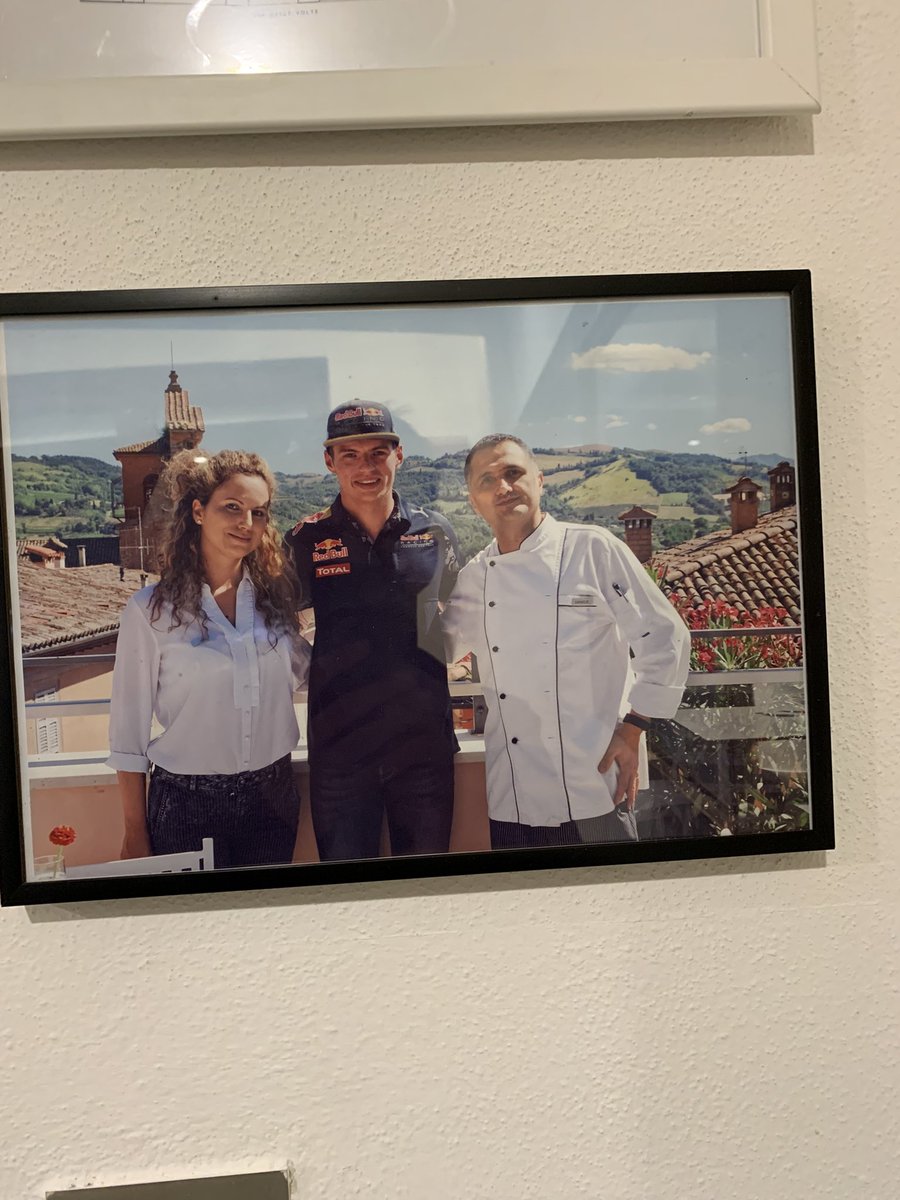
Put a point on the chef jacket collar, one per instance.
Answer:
(548, 528)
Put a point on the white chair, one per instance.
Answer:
(160, 864)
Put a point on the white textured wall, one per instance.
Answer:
(693, 1031)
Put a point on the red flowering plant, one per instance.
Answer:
(718, 777)
(744, 651)
(61, 836)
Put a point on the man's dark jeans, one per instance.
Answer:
(618, 826)
(349, 803)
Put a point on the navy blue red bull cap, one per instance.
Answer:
(358, 420)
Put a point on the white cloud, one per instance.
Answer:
(729, 425)
(615, 422)
(638, 357)
(650, 425)
(578, 420)
(693, 442)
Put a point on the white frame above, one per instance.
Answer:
(783, 80)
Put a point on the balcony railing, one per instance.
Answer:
(732, 761)
(750, 716)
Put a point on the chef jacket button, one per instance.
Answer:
(514, 740)
(503, 695)
(491, 603)
(495, 649)
(491, 563)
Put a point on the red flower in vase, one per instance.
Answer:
(62, 835)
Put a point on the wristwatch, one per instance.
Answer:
(634, 719)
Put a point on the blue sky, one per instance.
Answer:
(692, 375)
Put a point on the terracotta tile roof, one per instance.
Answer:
(26, 545)
(30, 551)
(63, 608)
(182, 415)
(750, 570)
(153, 446)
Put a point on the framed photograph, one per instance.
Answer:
(332, 583)
(101, 68)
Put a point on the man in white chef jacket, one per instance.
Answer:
(578, 650)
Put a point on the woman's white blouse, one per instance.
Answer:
(225, 702)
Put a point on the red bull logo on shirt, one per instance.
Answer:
(329, 548)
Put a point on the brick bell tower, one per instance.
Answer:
(142, 462)
(782, 486)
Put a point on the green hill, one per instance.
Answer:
(67, 494)
(63, 493)
(613, 484)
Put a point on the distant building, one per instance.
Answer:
(50, 553)
(87, 551)
(142, 463)
(782, 486)
(91, 550)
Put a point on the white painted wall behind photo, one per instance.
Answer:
(692, 1031)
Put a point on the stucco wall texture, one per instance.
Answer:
(696, 1031)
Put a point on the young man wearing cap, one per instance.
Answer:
(578, 649)
(375, 570)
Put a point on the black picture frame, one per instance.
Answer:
(794, 289)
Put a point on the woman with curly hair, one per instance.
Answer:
(212, 653)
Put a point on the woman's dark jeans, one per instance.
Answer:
(252, 816)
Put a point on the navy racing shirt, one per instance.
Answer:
(378, 677)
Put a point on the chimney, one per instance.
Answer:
(82, 556)
(638, 524)
(782, 486)
(744, 501)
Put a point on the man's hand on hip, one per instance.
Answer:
(623, 751)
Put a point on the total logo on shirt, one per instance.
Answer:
(334, 569)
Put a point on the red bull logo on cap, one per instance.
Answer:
(356, 420)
